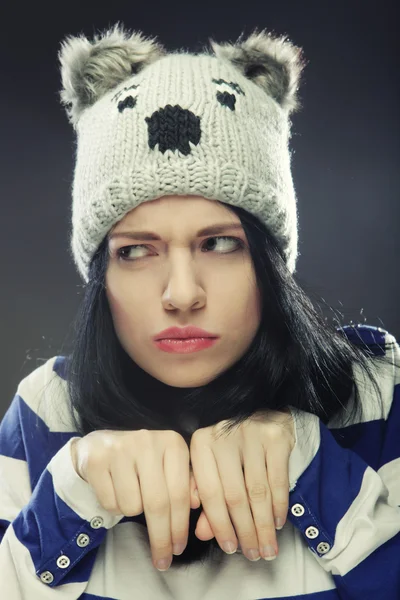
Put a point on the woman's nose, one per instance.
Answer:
(184, 291)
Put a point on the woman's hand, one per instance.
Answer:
(242, 478)
(132, 472)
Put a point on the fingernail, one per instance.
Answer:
(253, 554)
(278, 523)
(178, 548)
(163, 564)
(268, 553)
(229, 547)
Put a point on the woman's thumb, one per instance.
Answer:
(203, 527)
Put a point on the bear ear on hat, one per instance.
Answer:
(272, 62)
(89, 69)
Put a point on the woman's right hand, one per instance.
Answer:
(136, 471)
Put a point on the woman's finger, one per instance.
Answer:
(212, 496)
(277, 460)
(232, 477)
(203, 528)
(260, 497)
(176, 470)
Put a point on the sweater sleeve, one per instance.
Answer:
(49, 532)
(346, 502)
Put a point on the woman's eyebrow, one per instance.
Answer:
(148, 235)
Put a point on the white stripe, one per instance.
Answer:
(369, 523)
(123, 569)
(390, 475)
(46, 395)
(308, 439)
(15, 488)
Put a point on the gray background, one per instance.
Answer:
(345, 162)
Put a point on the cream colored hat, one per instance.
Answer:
(151, 123)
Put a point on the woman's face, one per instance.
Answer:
(180, 280)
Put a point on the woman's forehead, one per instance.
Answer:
(187, 208)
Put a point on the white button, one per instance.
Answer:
(83, 540)
(96, 522)
(323, 547)
(298, 510)
(312, 532)
(46, 577)
(63, 562)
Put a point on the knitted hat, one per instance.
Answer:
(151, 123)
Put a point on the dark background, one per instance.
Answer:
(345, 163)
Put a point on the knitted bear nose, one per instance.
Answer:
(172, 128)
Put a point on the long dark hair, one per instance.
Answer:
(297, 358)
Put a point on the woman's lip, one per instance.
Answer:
(184, 346)
(189, 337)
(188, 332)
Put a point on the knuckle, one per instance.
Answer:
(208, 495)
(142, 436)
(247, 537)
(95, 455)
(266, 528)
(131, 510)
(274, 431)
(157, 506)
(257, 491)
(110, 506)
(175, 437)
(179, 497)
(234, 499)
(279, 482)
(197, 437)
(177, 444)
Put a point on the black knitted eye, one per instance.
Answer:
(227, 99)
(128, 102)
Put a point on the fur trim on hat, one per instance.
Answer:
(272, 62)
(90, 69)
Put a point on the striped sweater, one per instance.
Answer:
(341, 539)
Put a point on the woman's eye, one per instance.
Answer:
(225, 247)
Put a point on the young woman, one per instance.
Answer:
(184, 216)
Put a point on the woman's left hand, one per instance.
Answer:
(250, 500)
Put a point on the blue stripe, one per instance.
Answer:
(363, 438)
(49, 519)
(317, 489)
(3, 526)
(86, 596)
(11, 440)
(59, 366)
(369, 335)
(377, 442)
(326, 595)
(24, 435)
(391, 436)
